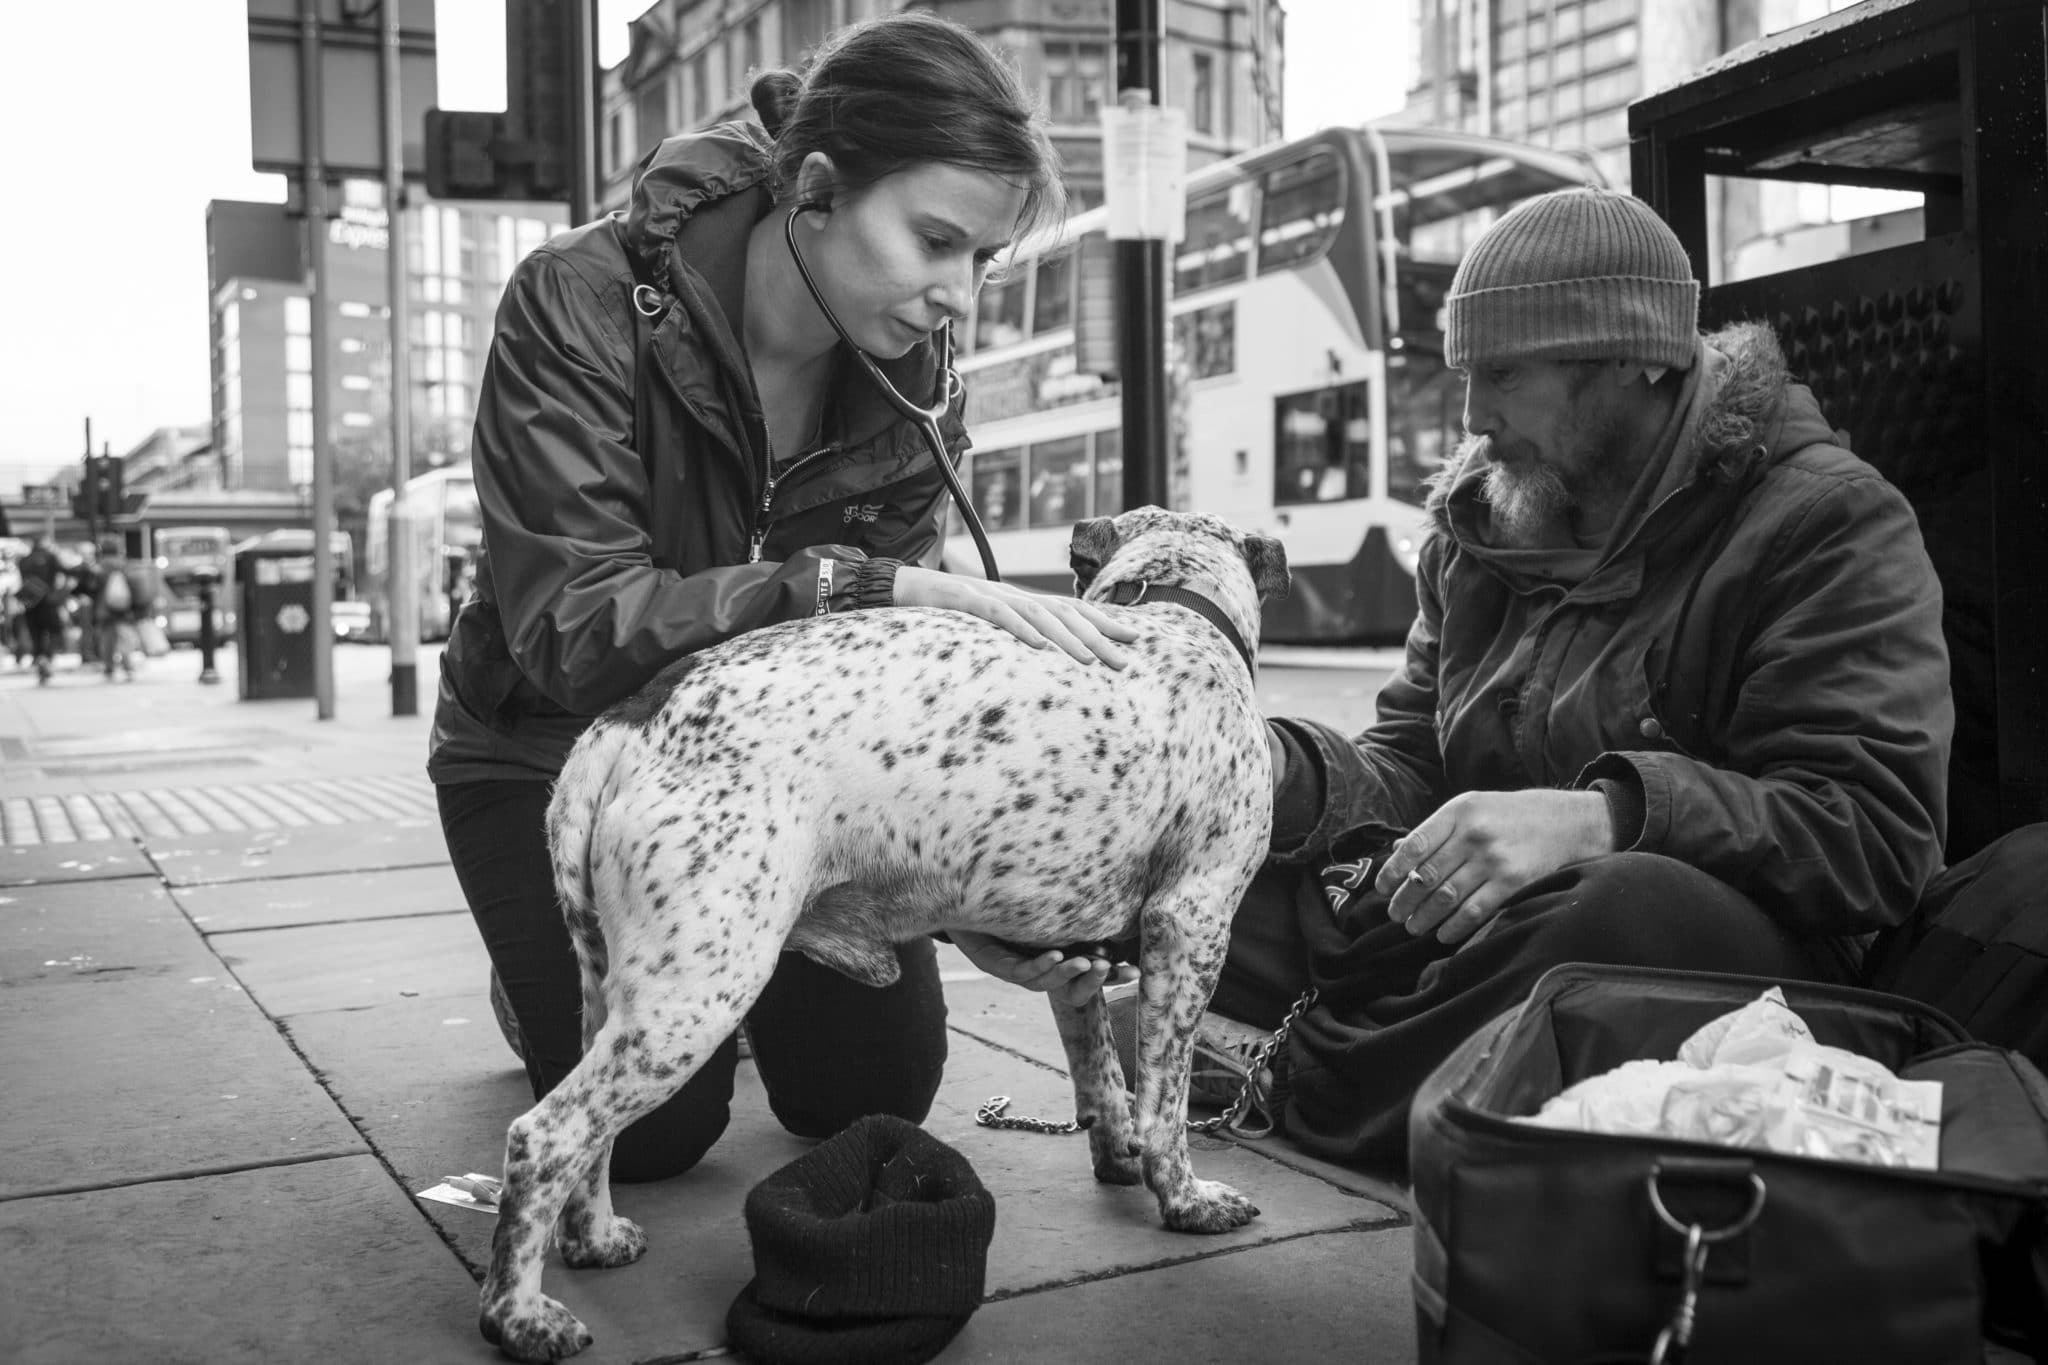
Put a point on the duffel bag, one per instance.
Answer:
(1537, 1244)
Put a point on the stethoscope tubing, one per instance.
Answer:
(926, 420)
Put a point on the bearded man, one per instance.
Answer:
(1675, 694)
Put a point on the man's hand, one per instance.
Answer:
(1455, 870)
(1071, 980)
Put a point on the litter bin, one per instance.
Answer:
(274, 621)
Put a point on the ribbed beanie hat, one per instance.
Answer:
(871, 1247)
(1578, 274)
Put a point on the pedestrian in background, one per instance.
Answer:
(126, 597)
(44, 586)
(674, 448)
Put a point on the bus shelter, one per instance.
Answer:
(1932, 355)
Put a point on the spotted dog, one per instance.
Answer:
(776, 793)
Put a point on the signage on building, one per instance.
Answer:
(350, 39)
(41, 495)
(362, 224)
(1031, 383)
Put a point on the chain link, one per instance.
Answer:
(991, 1113)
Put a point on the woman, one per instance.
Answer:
(673, 447)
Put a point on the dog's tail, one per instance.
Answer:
(578, 803)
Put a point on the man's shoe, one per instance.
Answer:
(1223, 1054)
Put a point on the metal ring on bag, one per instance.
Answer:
(652, 306)
(1739, 1226)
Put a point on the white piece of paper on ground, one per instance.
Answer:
(478, 1192)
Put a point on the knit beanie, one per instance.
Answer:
(871, 1247)
(1578, 274)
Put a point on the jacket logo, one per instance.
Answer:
(864, 511)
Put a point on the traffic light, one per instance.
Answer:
(529, 151)
(99, 494)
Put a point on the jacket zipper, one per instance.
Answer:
(768, 486)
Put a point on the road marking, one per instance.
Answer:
(172, 812)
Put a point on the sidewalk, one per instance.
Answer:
(245, 1019)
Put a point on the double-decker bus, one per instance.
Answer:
(184, 556)
(447, 529)
(1310, 399)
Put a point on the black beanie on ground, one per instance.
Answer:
(871, 1247)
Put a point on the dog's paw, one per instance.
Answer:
(602, 1246)
(546, 1331)
(1116, 1157)
(1208, 1206)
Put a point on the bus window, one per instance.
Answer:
(1322, 445)
(999, 312)
(998, 489)
(1299, 212)
(1109, 472)
(1425, 421)
(1216, 246)
(1059, 481)
(1053, 301)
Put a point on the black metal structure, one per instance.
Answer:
(1933, 356)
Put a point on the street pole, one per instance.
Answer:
(89, 501)
(402, 607)
(310, 135)
(1141, 281)
(583, 126)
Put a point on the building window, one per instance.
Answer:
(650, 111)
(804, 23)
(1074, 78)
(750, 46)
(1109, 473)
(615, 140)
(998, 487)
(700, 86)
(1202, 95)
(1055, 296)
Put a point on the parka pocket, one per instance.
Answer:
(1659, 727)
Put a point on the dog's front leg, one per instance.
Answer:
(1186, 929)
(1101, 1103)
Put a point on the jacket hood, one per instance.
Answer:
(1754, 416)
(680, 176)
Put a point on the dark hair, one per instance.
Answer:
(883, 95)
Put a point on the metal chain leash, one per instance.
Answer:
(991, 1114)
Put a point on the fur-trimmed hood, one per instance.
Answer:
(1754, 415)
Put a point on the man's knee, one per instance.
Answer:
(665, 1144)
(1646, 910)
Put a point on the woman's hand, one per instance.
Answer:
(1070, 980)
(1038, 619)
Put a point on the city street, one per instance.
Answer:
(247, 1024)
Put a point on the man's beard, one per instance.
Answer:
(1529, 500)
(1533, 501)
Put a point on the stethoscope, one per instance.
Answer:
(926, 420)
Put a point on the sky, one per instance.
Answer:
(120, 119)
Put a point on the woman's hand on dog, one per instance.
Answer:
(1071, 979)
(1083, 630)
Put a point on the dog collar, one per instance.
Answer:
(1130, 593)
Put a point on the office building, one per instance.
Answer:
(692, 61)
(1562, 73)
(459, 257)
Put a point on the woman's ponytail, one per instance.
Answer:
(773, 96)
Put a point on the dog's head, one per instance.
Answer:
(1205, 554)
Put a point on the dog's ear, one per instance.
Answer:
(1093, 543)
(1267, 559)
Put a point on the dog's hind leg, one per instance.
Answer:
(1101, 1103)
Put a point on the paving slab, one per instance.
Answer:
(283, 902)
(318, 1261)
(255, 854)
(1331, 1297)
(105, 991)
(76, 861)
(360, 964)
(433, 1098)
